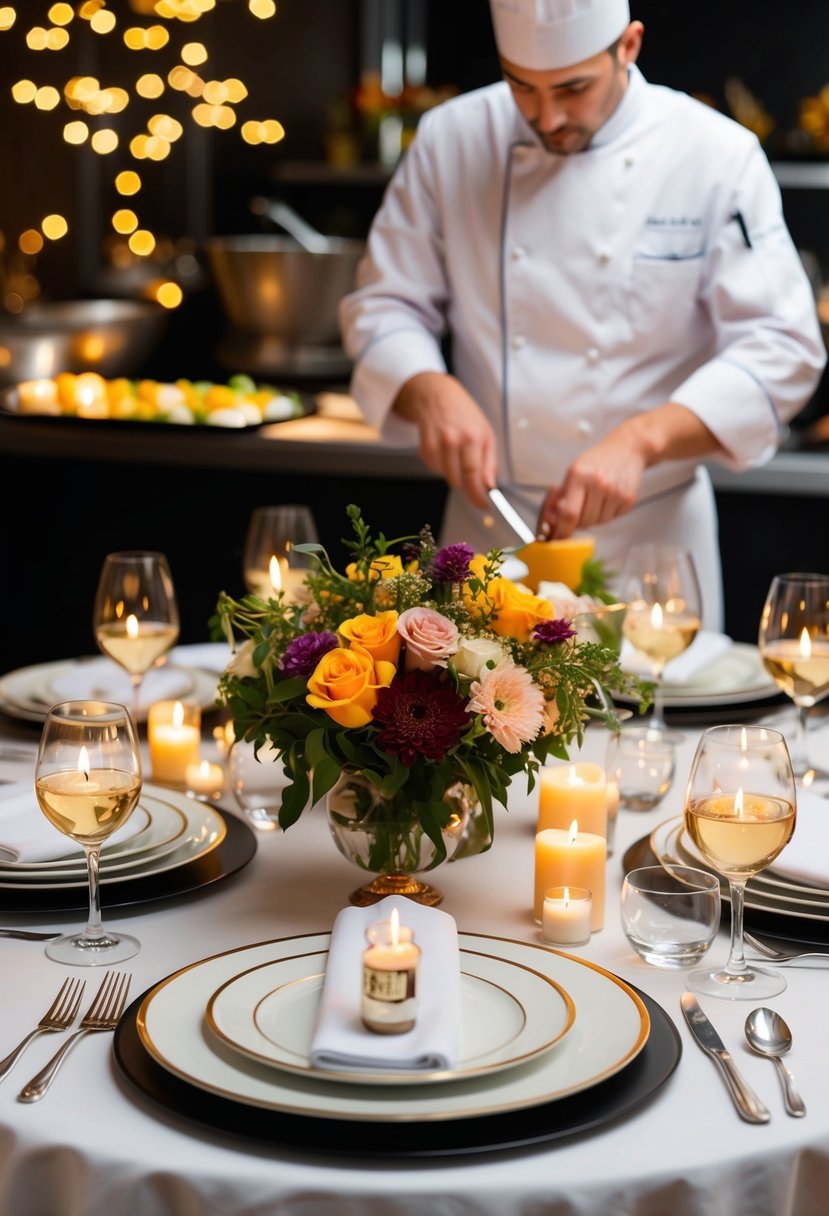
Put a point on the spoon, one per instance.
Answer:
(280, 213)
(769, 1035)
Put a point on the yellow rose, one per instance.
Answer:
(376, 635)
(345, 684)
(388, 566)
(516, 612)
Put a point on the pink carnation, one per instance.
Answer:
(511, 703)
(430, 638)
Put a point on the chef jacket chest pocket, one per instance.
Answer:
(665, 282)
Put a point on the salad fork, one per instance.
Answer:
(103, 1014)
(782, 956)
(59, 1016)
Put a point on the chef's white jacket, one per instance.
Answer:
(578, 291)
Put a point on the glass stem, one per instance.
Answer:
(800, 759)
(135, 680)
(658, 709)
(94, 929)
(736, 964)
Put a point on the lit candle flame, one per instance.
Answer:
(566, 897)
(805, 643)
(394, 921)
(656, 616)
(83, 763)
(738, 802)
(275, 573)
(132, 626)
(178, 714)
(572, 776)
(574, 828)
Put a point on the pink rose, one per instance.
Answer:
(429, 637)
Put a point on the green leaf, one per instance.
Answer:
(294, 800)
(430, 817)
(325, 776)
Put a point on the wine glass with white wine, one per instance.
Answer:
(794, 646)
(87, 783)
(740, 809)
(660, 587)
(135, 618)
(270, 562)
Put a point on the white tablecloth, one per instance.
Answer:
(93, 1146)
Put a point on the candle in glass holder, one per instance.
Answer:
(570, 859)
(573, 791)
(390, 962)
(205, 780)
(566, 916)
(174, 738)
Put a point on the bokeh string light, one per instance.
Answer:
(179, 78)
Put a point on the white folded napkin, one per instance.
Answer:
(342, 1042)
(102, 680)
(806, 857)
(706, 648)
(26, 835)
(209, 656)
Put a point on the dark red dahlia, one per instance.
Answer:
(551, 632)
(420, 716)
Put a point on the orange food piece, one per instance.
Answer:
(556, 561)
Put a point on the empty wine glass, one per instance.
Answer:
(135, 617)
(270, 562)
(794, 646)
(87, 782)
(659, 584)
(740, 813)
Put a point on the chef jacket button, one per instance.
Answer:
(522, 423)
(518, 341)
(517, 253)
(592, 355)
(584, 427)
(604, 257)
(629, 162)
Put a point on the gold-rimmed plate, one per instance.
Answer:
(610, 1031)
(510, 1013)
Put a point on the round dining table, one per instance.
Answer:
(98, 1142)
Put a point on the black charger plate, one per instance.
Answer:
(591, 1109)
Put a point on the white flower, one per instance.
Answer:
(474, 654)
(241, 664)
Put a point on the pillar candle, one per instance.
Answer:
(570, 859)
(573, 791)
(174, 738)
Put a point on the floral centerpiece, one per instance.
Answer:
(418, 668)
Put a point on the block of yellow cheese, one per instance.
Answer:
(556, 561)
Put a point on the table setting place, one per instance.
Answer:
(657, 883)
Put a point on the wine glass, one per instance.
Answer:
(794, 646)
(659, 584)
(270, 562)
(135, 617)
(87, 782)
(740, 813)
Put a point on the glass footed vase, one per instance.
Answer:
(384, 836)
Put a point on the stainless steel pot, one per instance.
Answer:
(270, 286)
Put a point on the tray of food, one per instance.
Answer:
(87, 397)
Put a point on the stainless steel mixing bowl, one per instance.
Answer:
(112, 337)
(271, 287)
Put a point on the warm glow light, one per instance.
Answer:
(157, 37)
(168, 294)
(125, 221)
(138, 147)
(83, 762)
(236, 90)
(30, 242)
(194, 53)
(273, 131)
(275, 573)
(574, 831)
(24, 91)
(656, 616)
(60, 14)
(46, 98)
(165, 127)
(104, 141)
(102, 22)
(132, 626)
(36, 38)
(805, 643)
(738, 802)
(142, 243)
(215, 92)
(76, 132)
(56, 39)
(128, 182)
(54, 227)
(156, 148)
(7, 17)
(262, 8)
(149, 85)
(116, 100)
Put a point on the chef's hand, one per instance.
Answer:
(456, 440)
(605, 481)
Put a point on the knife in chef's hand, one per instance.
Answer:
(510, 516)
(749, 1106)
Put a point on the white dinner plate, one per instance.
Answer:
(611, 1028)
(27, 692)
(735, 678)
(204, 830)
(23, 794)
(509, 1014)
(670, 843)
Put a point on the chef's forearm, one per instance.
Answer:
(670, 432)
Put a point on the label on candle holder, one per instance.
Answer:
(389, 995)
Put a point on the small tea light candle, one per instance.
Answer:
(174, 738)
(570, 859)
(390, 962)
(565, 917)
(573, 791)
(205, 780)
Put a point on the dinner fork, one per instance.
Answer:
(782, 956)
(59, 1016)
(103, 1014)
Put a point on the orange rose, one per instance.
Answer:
(345, 684)
(516, 612)
(388, 566)
(376, 635)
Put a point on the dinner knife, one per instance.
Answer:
(510, 516)
(27, 935)
(749, 1106)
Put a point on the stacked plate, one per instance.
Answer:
(227, 1041)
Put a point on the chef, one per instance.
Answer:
(578, 286)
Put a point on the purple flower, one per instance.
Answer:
(551, 632)
(451, 565)
(303, 653)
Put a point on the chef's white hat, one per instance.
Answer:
(548, 34)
